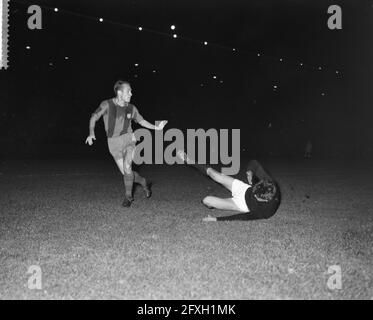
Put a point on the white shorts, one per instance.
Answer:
(238, 194)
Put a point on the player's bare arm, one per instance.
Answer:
(150, 126)
(92, 122)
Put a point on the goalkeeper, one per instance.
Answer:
(257, 199)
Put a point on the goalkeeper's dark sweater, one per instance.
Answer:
(258, 209)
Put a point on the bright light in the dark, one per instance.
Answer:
(214, 77)
(28, 47)
(281, 59)
(136, 64)
(173, 27)
(140, 28)
(205, 43)
(320, 68)
(258, 54)
(101, 20)
(175, 35)
(55, 9)
(154, 71)
(66, 58)
(234, 49)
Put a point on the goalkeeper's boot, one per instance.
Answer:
(184, 157)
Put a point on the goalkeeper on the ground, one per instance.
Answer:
(257, 199)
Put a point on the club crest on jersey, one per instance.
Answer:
(129, 116)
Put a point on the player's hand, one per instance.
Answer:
(161, 125)
(209, 219)
(90, 139)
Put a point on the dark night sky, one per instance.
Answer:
(100, 53)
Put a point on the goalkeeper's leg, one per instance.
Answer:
(224, 180)
(220, 203)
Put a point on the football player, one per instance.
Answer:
(257, 199)
(118, 114)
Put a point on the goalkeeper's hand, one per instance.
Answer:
(209, 219)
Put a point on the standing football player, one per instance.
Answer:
(118, 114)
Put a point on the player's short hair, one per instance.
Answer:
(118, 85)
(265, 190)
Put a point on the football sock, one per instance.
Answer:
(139, 179)
(128, 183)
(201, 168)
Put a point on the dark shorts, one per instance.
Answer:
(118, 146)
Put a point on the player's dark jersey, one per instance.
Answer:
(117, 119)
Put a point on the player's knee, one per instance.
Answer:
(207, 201)
(127, 168)
(211, 173)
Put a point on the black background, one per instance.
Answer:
(45, 109)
